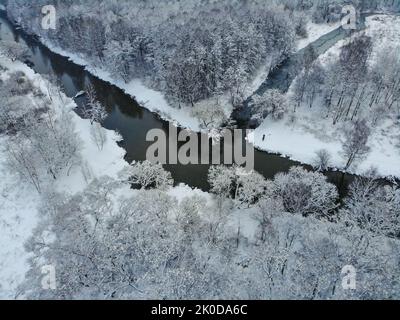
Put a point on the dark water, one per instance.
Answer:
(131, 120)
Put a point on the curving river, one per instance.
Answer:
(130, 119)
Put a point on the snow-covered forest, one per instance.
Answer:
(117, 230)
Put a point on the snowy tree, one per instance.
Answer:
(187, 51)
(17, 84)
(45, 147)
(301, 25)
(353, 66)
(119, 58)
(146, 175)
(94, 111)
(272, 103)
(306, 193)
(99, 135)
(54, 140)
(268, 208)
(24, 161)
(251, 188)
(223, 181)
(322, 160)
(247, 188)
(315, 83)
(355, 144)
(236, 84)
(307, 61)
(188, 215)
(373, 207)
(211, 115)
(104, 252)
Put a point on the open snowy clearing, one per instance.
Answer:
(308, 133)
(18, 216)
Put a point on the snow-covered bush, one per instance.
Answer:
(246, 188)
(188, 215)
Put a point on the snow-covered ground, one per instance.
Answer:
(18, 216)
(385, 30)
(309, 132)
(316, 31)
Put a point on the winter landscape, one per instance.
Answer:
(105, 106)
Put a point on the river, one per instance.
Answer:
(131, 120)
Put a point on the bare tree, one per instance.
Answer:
(322, 160)
(355, 144)
(94, 111)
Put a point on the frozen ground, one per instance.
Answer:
(309, 132)
(18, 216)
